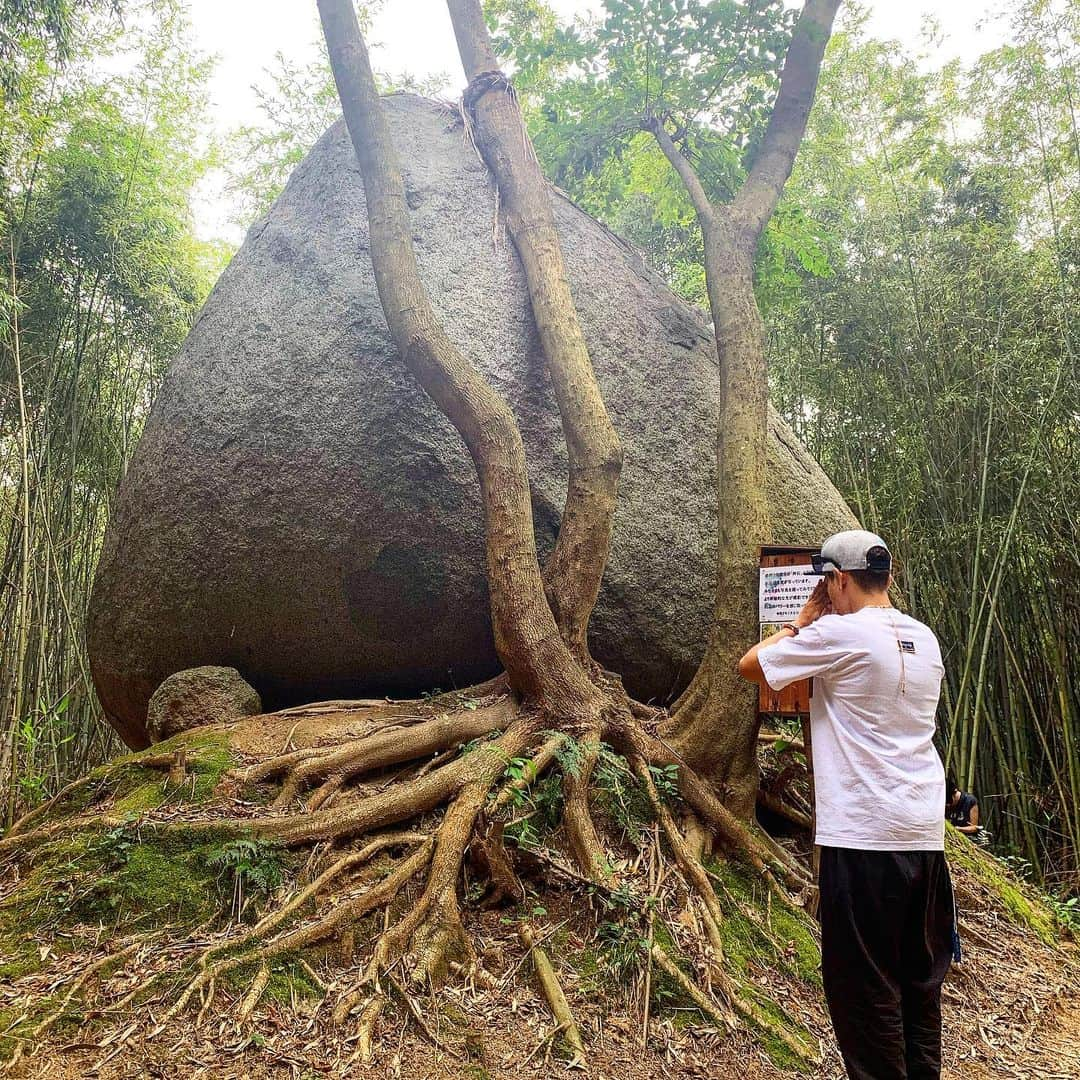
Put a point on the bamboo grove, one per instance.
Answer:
(101, 279)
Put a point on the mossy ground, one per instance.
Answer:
(118, 880)
(1022, 903)
(102, 884)
(132, 788)
(762, 937)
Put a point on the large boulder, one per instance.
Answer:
(299, 510)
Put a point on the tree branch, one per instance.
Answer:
(706, 212)
(759, 194)
(574, 572)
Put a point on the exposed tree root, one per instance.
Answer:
(410, 770)
(110, 960)
(773, 863)
(343, 914)
(536, 767)
(774, 804)
(369, 1018)
(24, 841)
(251, 998)
(577, 819)
(41, 812)
(689, 864)
(331, 770)
(722, 1017)
(553, 993)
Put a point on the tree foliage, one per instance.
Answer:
(711, 70)
(27, 25)
(102, 278)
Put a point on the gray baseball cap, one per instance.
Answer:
(851, 551)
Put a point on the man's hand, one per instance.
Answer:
(816, 606)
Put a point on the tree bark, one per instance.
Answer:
(714, 725)
(527, 639)
(573, 574)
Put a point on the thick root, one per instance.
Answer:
(774, 804)
(432, 930)
(585, 846)
(553, 993)
(24, 841)
(399, 803)
(369, 1018)
(252, 997)
(537, 766)
(394, 746)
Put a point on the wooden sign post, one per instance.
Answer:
(783, 589)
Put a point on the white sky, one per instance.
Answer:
(415, 36)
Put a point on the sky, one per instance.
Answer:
(415, 36)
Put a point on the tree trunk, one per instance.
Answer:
(714, 725)
(576, 566)
(537, 661)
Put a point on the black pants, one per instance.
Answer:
(886, 944)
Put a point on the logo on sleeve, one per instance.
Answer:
(906, 646)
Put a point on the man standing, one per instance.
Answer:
(886, 900)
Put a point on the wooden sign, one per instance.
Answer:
(783, 588)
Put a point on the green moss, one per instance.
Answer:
(801, 953)
(209, 757)
(775, 1019)
(41, 904)
(15, 1027)
(156, 884)
(455, 1016)
(592, 977)
(144, 798)
(124, 876)
(137, 790)
(290, 982)
(17, 959)
(781, 937)
(1022, 904)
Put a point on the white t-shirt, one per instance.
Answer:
(878, 780)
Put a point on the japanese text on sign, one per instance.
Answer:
(782, 592)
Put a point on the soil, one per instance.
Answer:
(1011, 1010)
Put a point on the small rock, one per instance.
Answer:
(198, 696)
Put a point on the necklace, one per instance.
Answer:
(903, 663)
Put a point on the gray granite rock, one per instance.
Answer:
(197, 696)
(298, 509)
